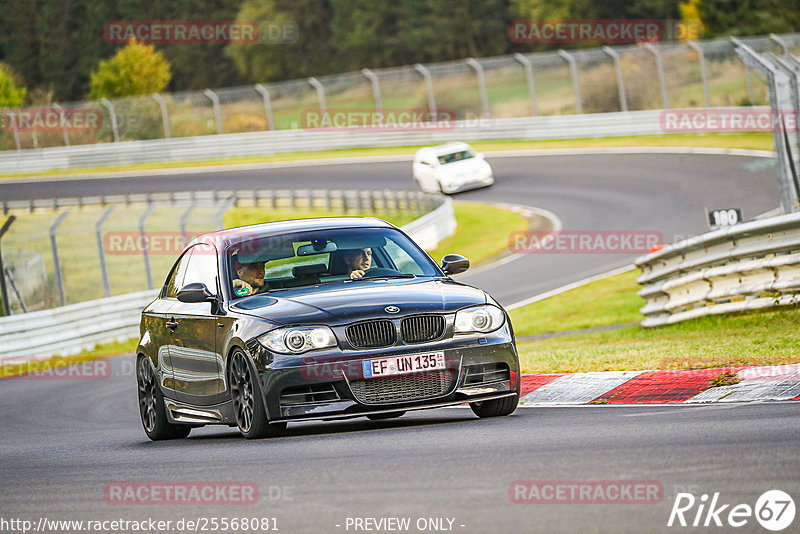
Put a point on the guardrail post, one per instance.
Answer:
(98, 232)
(780, 42)
(211, 95)
(3, 289)
(164, 114)
(376, 88)
(662, 82)
(113, 115)
(623, 101)
(62, 296)
(63, 123)
(576, 86)
(221, 213)
(315, 83)
(264, 92)
(701, 58)
(426, 75)
(481, 86)
(146, 245)
(529, 77)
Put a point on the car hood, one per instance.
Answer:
(354, 301)
(463, 167)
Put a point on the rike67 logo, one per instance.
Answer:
(774, 510)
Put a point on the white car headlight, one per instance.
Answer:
(298, 339)
(486, 318)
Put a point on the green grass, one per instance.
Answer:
(482, 233)
(613, 300)
(756, 141)
(753, 338)
(104, 350)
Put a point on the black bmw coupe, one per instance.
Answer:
(317, 319)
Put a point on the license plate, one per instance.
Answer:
(403, 365)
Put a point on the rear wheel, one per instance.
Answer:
(382, 416)
(248, 404)
(496, 407)
(151, 405)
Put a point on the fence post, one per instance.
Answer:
(320, 94)
(211, 95)
(185, 217)
(146, 247)
(62, 295)
(376, 88)
(63, 122)
(481, 86)
(221, 213)
(3, 289)
(701, 58)
(529, 77)
(788, 184)
(623, 101)
(660, 68)
(113, 115)
(780, 42)
(576, 86)
(426, 74)
(164, 114)
(264, 92)
(98, 232)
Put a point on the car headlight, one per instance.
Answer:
(298, 339)
(479, 319)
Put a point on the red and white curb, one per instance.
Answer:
(772, 383)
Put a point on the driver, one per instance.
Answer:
(357, 261)
(250, 279)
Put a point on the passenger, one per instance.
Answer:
(251, 279)
(352, 262)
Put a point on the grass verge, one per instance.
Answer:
(754, 141)
(750, 338)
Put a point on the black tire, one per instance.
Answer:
(151, 405)
(496, 407)
(383, 416)
(248, 404)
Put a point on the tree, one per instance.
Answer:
(137, 69)
(12, 95)
(749, 17)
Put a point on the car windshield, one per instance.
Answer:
(455, 156)
(323, 257)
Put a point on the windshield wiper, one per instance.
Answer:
(384, 276)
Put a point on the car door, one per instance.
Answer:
(196, 364)
(158, 325)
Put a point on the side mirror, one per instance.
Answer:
(454, 264)
(195, 292)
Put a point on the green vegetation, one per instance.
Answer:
(11, 93)
(751, 141)
(136, 69)
(755, 338)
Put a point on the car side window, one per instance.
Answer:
(202, 267)
(176, 277)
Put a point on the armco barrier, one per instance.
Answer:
(70, 329)
(206, 147)
(747, 266)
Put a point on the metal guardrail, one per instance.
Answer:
(71, 329)
(186, 149)
(743, 267)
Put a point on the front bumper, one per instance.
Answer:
(329, 390)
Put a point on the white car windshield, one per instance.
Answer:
(455, 156)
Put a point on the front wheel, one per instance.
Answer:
(496, 407)
(151, 405)
(248, 405)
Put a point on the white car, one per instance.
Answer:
(450, 168)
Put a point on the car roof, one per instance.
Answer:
(449, 148)
(223, 238)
